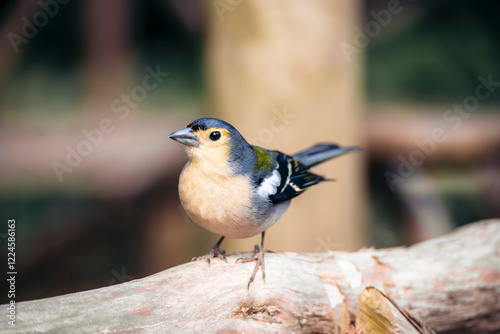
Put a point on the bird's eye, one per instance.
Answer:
(214, 136)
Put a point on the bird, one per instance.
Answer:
(238, 190)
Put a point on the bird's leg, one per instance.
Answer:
(258, 256)
(215, 251)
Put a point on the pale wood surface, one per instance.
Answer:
(452, 283)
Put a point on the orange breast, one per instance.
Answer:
(219, 203)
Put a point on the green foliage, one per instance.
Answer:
(436, 58)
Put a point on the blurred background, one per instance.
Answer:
(90, 90)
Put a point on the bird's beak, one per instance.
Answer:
(185, 137)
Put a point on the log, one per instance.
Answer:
(450, 284)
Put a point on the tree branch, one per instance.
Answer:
(451, 283)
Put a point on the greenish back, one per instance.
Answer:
(263, 159)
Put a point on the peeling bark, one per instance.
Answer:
(377, 314)
(451, 284)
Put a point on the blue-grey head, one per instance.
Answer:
(216, 142)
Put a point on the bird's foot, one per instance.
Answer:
(214, 252)
(258, 256)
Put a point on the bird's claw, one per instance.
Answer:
(258, 256)
(214, 252)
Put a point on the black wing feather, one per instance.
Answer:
(294, 179)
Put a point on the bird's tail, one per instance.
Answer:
(322, 152)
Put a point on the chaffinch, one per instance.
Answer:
(237, 190)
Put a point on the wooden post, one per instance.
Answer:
(276, 71)
(107, 56)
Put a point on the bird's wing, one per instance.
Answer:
(293, 179)
(290, 177)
